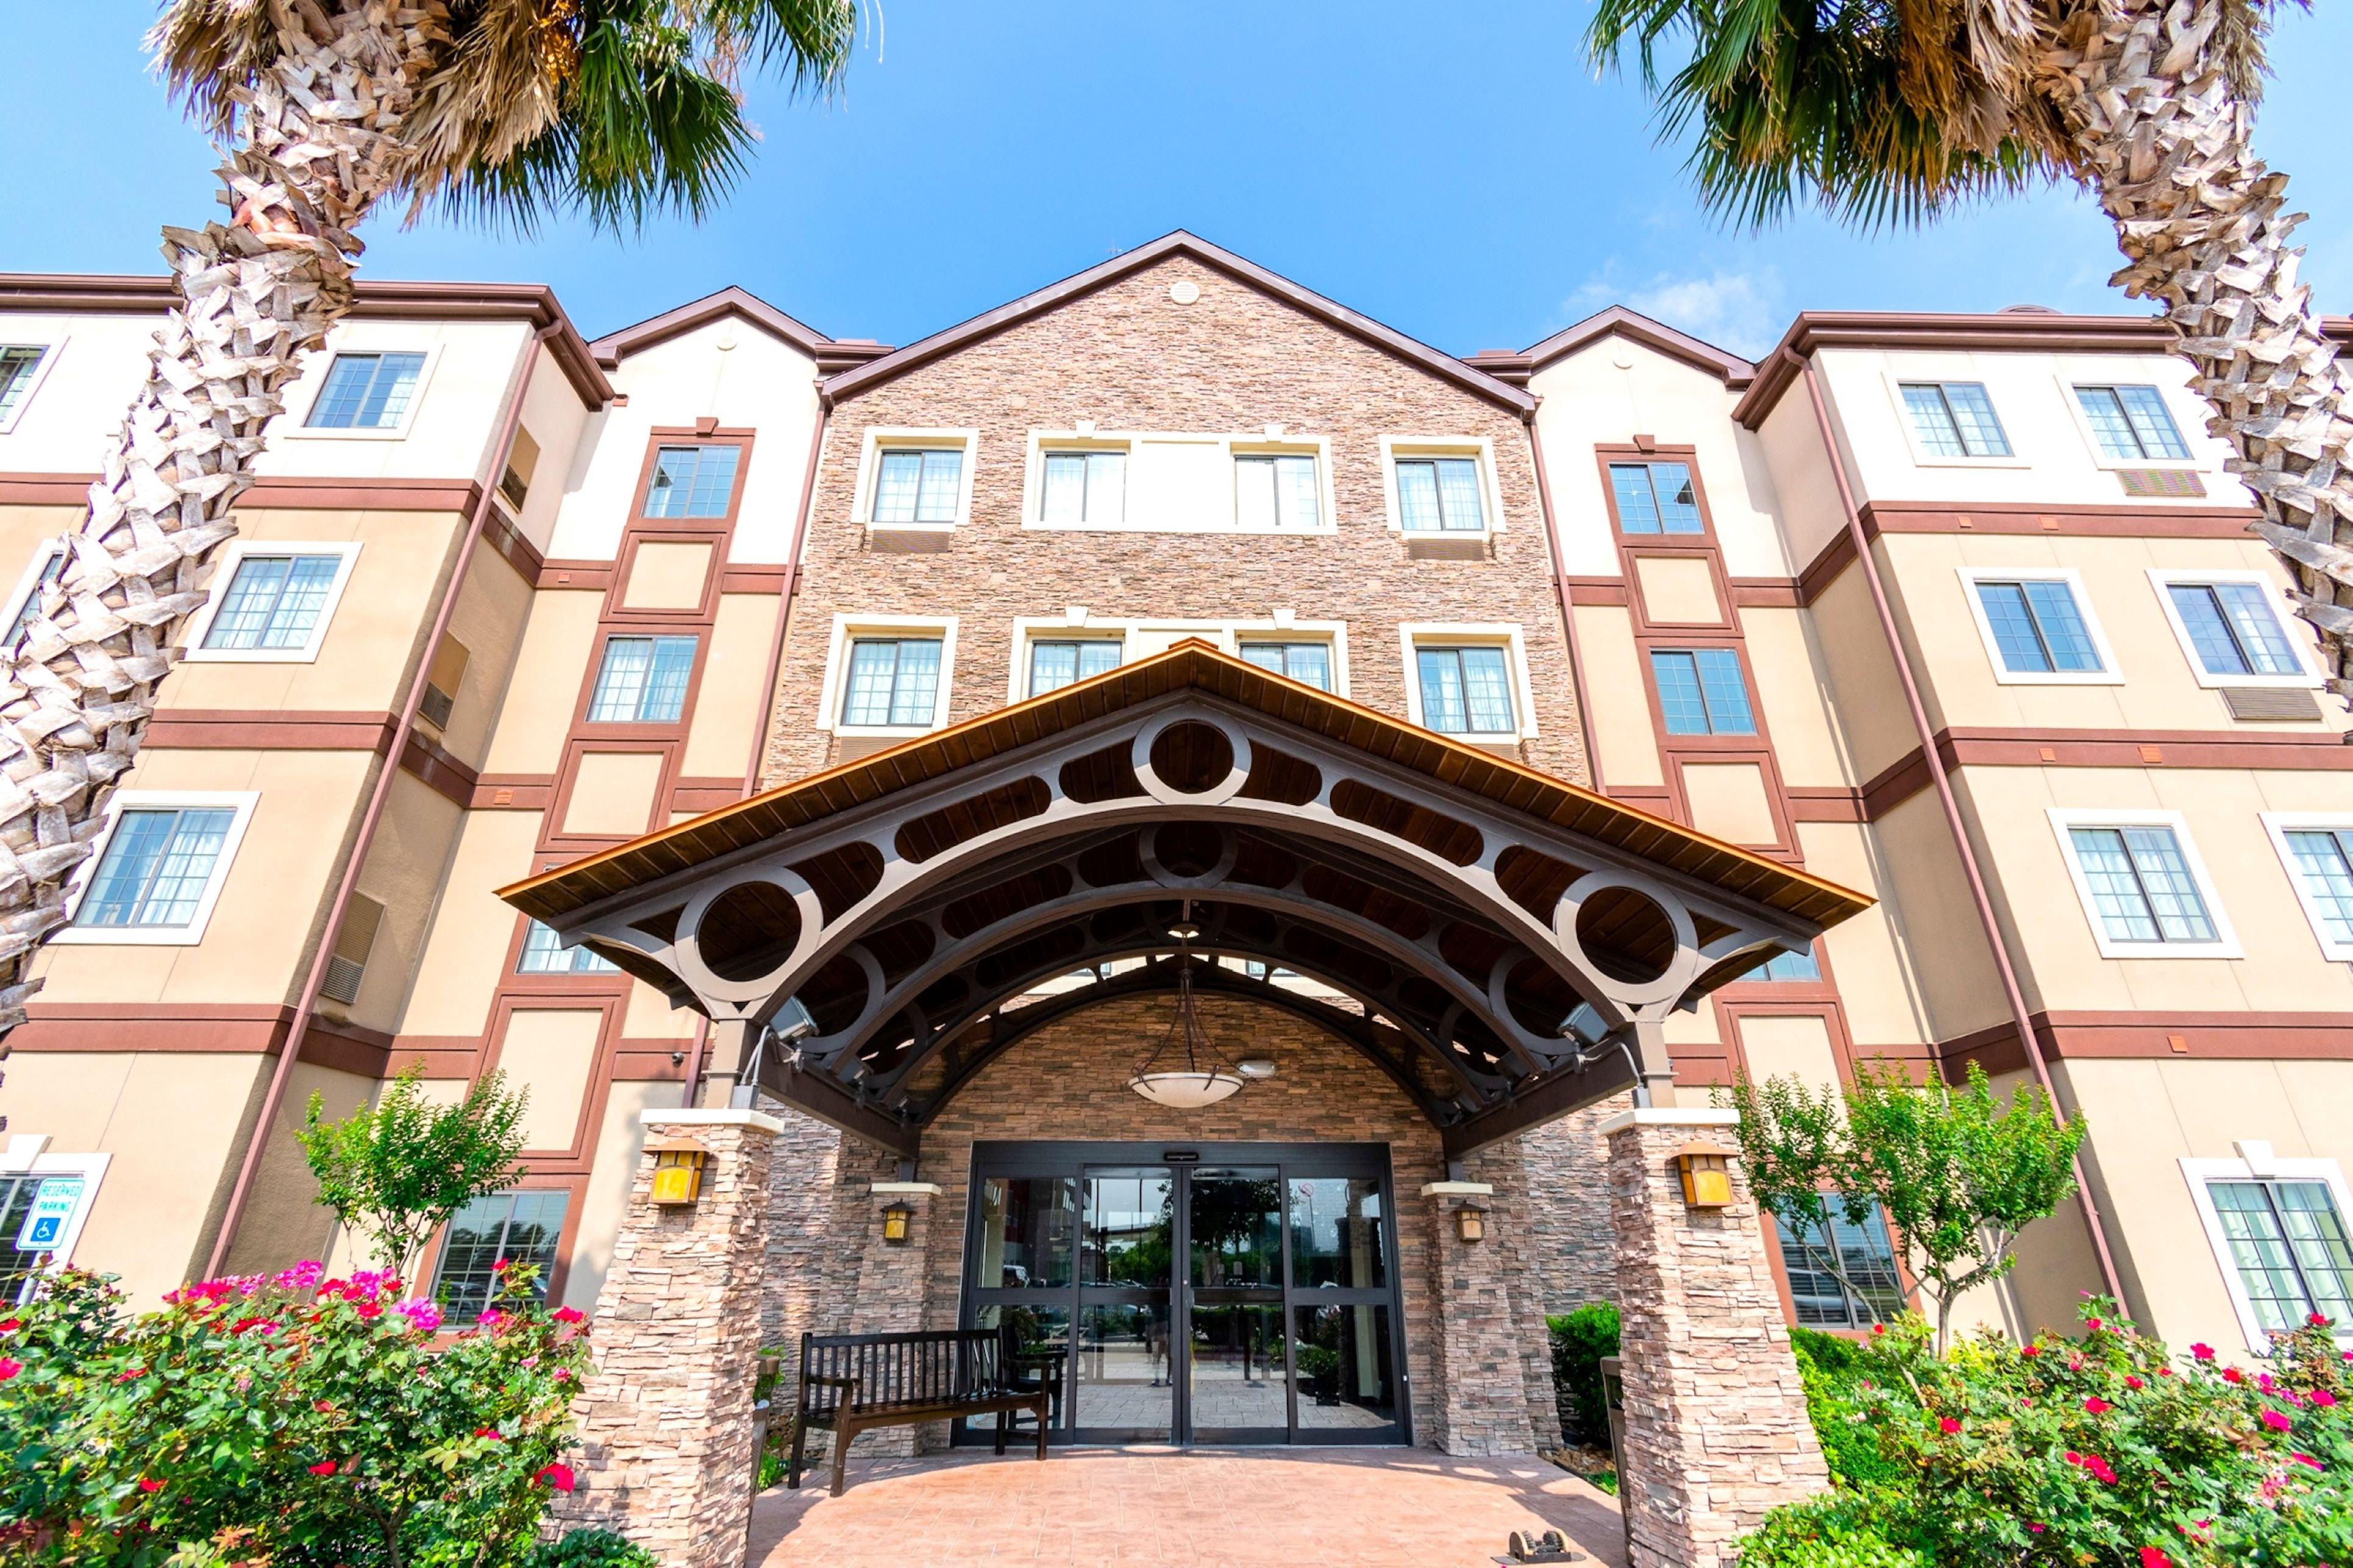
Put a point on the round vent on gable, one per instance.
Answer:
(1183, 291)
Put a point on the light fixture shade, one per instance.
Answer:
(1185, 1090)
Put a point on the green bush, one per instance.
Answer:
(1579, 1341)
(591, 1549)
(1834, 1392)
(1825, 1533)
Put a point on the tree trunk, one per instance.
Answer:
(316, 146)
(2165, 139)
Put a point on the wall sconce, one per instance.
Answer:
(1707, 1175)
(1470, 1223)
(895, 1221)
(678, 1171)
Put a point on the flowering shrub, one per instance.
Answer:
(2101, 1450)
(294, 1420)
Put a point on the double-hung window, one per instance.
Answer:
(642, 680)
(515, 1228)
(1083, 488)
(692, 481)
(367, 392)
(274, 603)
(158, 868)
(1309, 663)
(1067, 662)
(1275, 491)
(1439, 495)
(543, 953)
(2319, 853)
(1955, 419)
(893, 682)
(2037, 625)
(2283, 1238)
(52, 568)
(2146, 893)
(917, 486)
(1701, 692)
(2131, 423)
(1863, 1253)
(1466, 690)
(2233, 628)
(1655, 498)
(20, 367)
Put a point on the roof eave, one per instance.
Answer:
(1621, 322)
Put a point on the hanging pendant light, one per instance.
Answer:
(1184, 1071)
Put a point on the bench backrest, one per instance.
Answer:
(934, 1367)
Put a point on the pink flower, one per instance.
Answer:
(2306, 1459)
(2030, 1350)
(569, 1314)
(2203, 1352)
(490, 1319)
(2263, 1380)
(1949, 1426)
(2278, 1420)
(323, 1468)
(423, 1316)
(563, 1374)
(490, 1432)
(2324, 1399)
(2092, 1325)
(9, 1367)
(303, 1277)
(2037, 1529)
(148, 1485)
(2155, 1557)
(2133, 1383)
(558, 1476)
(2095, 1405)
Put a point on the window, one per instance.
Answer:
(2318, 854)
(276, 602)
(367, 392)
(1309, 663)
(1655, 498)
(2035, 627)
(543, 953)
(2231, 628)
(1054, 665)
(2131, 423)
(692, 481)
(158, 865)
(1863, 1252)
(918, 487)
(1701, 692)
(1955, 419)
(1466, 690)
(1275, 491)
(1439, 495)
(2142, 886)
(20, 372)
(42, 1209)
(642, 680)
(1083, 488)
(1786, 967)
(516, 1227)
(2284, 1242)
(893, 681)
(50, 566)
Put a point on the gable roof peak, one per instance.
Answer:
(745, 306)
(1619, 322)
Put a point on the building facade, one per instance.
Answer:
(1958, 613)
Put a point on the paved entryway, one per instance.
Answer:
(1097, 1508)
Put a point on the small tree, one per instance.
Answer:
(396, 1173)
(1957, 1174)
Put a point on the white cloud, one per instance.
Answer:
(1738, 311)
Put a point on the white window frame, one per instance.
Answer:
(879, 438)
(2163, 580)
(241, 804)
(1077, 624)
(201, 623)
(2188, 430)
(2198, 1173)
(1893, 381)
(92, 1169)
(2064, 820)
(2279, 825)
(2109, 674)
(51, 349)
(301, 429)
(1478, 448)
(1269, 442)
(1505, 634)
(846, 629)
(29, 580)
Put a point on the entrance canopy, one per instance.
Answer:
(1504, 944)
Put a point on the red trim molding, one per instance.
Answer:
(278, 491)
(2127, 1037)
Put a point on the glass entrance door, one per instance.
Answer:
(1238, 1293)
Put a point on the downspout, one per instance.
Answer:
(1567, 620)
(768, 689)
(1979, 896)
(307, 1006)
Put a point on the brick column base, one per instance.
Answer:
(666, 1418)
(1716, 1431)
(1485, 1407)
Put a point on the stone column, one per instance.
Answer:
(1715, 1418)
(666, 1418)
(1484, 1393)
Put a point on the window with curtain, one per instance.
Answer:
(1309, 663)
(158, 862)
(2323, 864)
(2234, 628)
(2141, 885)
(542, 953)
(1955, 419)
(642, 680)
(273, 602)
(1276, 490)
(1065, 662)
(53, 566)
(1466, 690)
(893, 681)
(1084, 487)
(2131, 423)
(367, 392)
(692, 481)
(518, 1229)
(2286, 1242)
(1702, 692)
(1655, 498)
(2038, 627)
(1866, 1255)
(917, 486)
(1439, 495)
(17, 363)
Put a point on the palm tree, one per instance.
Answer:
(1893, 113)
(506, 111)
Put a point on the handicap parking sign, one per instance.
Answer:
(52, 1211)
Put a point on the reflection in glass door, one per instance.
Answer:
(1124, 1386)
(1238, 1377)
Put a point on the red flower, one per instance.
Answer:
(569, 1314)
(2203, 1352)
(2165, 1372)
(369, 1310)
(2030, 1350)
(2092, 1325)
(2233, 1374)
(2318, 1320)
(558, 1476)
(2133, 1383)
(1949, 1426)
(490, 1432)
(323, 1468)
(9, 1367)
(147, 1485)
(2095, 1405)
(2155, 1557)
(2278, 1420)
(2306, 1459)
(500, 1267)
(1877, 1329)
(2323, 1398)
(11, 1325)
(2037, 1529)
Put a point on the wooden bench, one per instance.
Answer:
(852, 1383)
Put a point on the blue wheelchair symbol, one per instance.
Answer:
(46, 1229)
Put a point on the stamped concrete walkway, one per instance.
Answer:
(1120, 1508)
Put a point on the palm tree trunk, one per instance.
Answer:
(2164, 134)
(316, 147)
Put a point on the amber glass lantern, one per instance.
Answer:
(895, 1221)
(1707, 1175)
(1470, 1223)
(678, 1171)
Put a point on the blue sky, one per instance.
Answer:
(1457, 174)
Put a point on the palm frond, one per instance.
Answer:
(206, 50)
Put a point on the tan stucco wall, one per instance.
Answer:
(730, 704)
(466, 950)
(556, 647)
